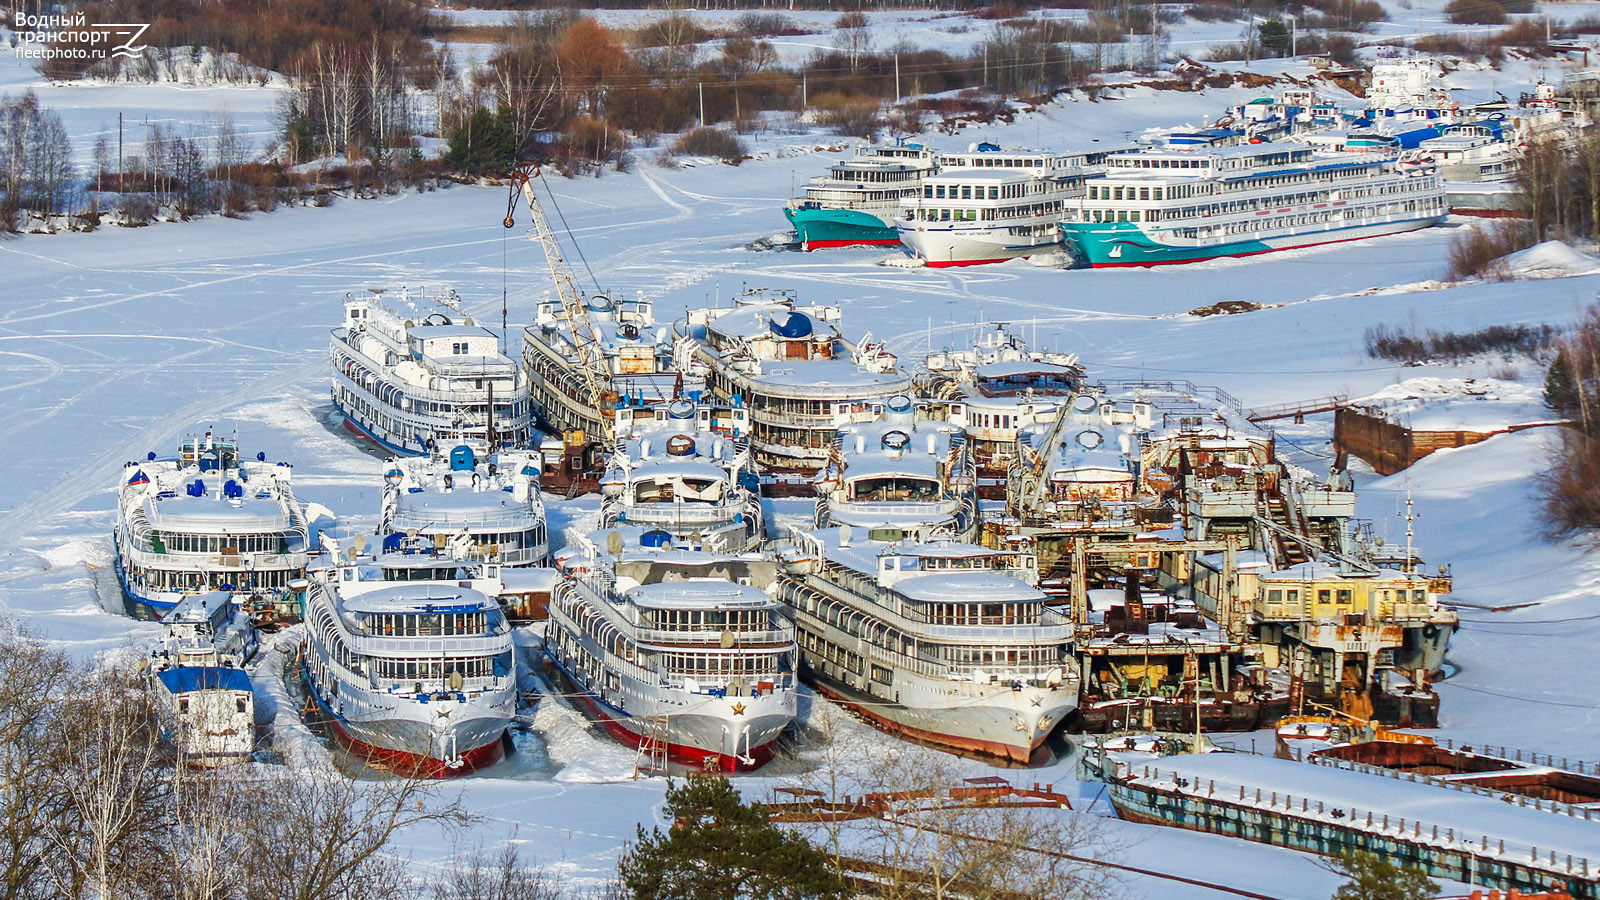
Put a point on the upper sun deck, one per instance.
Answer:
(629, 337)
(699, 593)
(463, 488)
(887, 559)
(429, 344)
(418, 597)
(209, 490)
(767, 340)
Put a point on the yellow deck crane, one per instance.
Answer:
(591, 357)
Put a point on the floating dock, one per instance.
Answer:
(1452, 830)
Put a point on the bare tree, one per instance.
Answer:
(328, 836)
(850, 36)
(503, 875)
(34, 682)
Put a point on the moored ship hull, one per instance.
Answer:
(942, 247)
(822, 228)
(699, 741)
(1125, 244)
(991, 729)
(409, 749)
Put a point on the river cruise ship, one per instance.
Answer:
(417, 676)
(681, 653)
(205, 520)
(990, 205)
(489, 500)
(1160, 207)
(793, 369)
(409, 375)
(637, 353)
(684, 468)
(945, 642)
(993, 391)
(857, 201)
(903, 469)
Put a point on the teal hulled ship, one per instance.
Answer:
(856, 202)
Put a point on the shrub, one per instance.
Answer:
(1211, 12)
(1385, 342)
(767, 24)
(1476, 12)
(718, 143)
(1227, 53)
(1475, 251)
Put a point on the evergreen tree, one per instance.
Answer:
(722, 848)
(1560, 389)
(1274, 37)
(483, 143)
(1375, 877)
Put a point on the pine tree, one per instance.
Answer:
(1375, 877)
(1560, 390)
(722, 848)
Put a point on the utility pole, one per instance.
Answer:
(119, 157)
(702, 104)
(804, 101)
(897, 94)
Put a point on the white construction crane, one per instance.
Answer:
(591, 357)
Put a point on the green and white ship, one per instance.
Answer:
(856, 202)
(1162, 207)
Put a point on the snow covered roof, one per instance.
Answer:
(967, 587)
(699, 593)
(419, 597)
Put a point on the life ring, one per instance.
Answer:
(1430, 631)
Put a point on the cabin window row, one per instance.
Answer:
(711, 619)
(437, 670)
(704, 665)
(427, 624)
(972, 192)
(222, 543)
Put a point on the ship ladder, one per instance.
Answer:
(652, 756)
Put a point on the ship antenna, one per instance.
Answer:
(1410, 517)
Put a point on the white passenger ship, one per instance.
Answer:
(637, 352)
(681, 653)
(408, 376)
(945, 642)
(903, 469)
(857, 201)
(1160, 207)
(491, 500)
(791, 367)
(684, 468)
(990, 205)
(206, 520)
(418, 676)
(208, 713)
(994, 390)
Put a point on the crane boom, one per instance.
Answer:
(591, 356)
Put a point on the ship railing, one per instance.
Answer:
(1554, 806)
(425, 647)
(674, 514)
(1375, 822)
(835, 393)
(921, 509)
(514, 516)
(475, 395)
(1182, 386)
(717, 683)
(1527, 757)
(766, 638)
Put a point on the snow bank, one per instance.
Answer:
(1460, 404)
(1551, 259)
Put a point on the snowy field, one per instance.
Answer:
(117, 343)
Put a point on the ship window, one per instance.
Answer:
(1294, 596)
(1419, 596)
(1324, 596)
(459, 349)
(1144, 193)
(238, 704)
(1274, 596)
(1344, 596)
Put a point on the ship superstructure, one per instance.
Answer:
(993, 391)
(206, 520)
(207, 710)
(682, 653)
(857, 201)
(904, 468)
(684, 468)
(411, 374)
(632, 347)
(491, 500)
(792, 368)
(946, 642)
(991, 205)
(1162, 206)
(415, 675)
